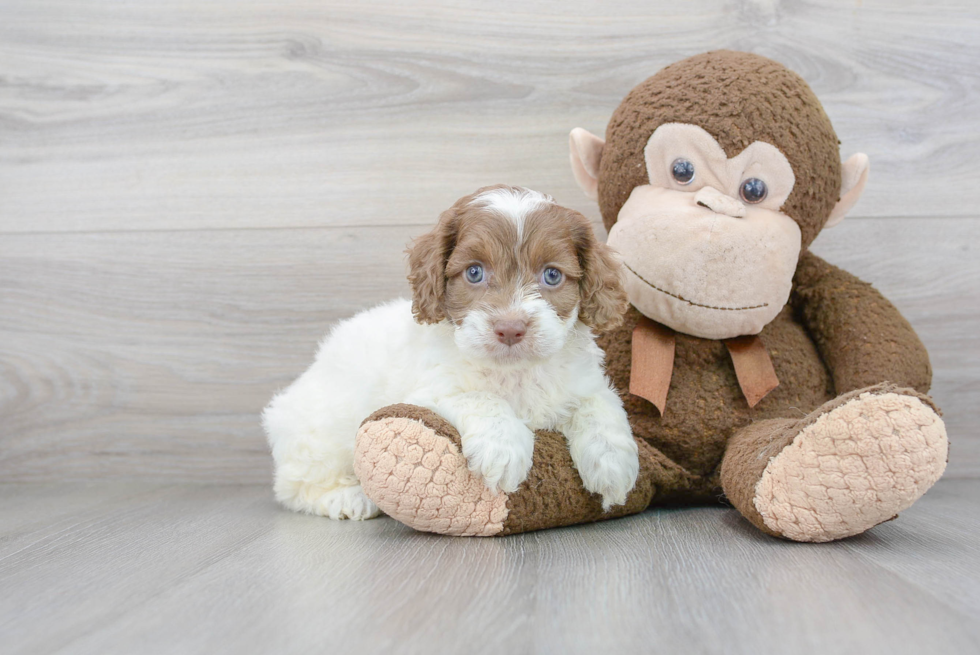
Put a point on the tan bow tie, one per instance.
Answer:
(653, 364)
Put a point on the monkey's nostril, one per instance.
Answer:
(719, 203)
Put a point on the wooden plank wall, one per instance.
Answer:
(191, 192)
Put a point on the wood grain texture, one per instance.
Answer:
(151, 354)
(123, 568)
(157, 351)
(190, 193)
(175, 114)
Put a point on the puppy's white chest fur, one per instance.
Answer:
(539, 394)
(527, 393)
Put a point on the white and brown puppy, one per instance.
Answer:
(507, 289)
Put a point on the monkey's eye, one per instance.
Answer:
(682, 170)
(753, 190)
(552, 277)
(474, 274)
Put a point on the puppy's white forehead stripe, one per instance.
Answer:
(514, 204)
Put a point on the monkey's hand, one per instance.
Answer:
(860, 335)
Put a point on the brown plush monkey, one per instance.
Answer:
(750, 368)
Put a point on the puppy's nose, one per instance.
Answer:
(510, 332)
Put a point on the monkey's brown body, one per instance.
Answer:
(715, 176)
(706, 406)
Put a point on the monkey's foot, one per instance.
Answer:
(409, 461)
(854, 463)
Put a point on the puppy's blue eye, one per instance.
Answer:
(753, 190)
(683, 171)
(552, 277)
(474, 274)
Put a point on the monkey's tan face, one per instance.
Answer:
(707, 250)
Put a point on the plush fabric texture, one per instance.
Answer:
(706, 405)
(861, 337)
(718, 175)
(710, 278)
(746, 458)
(738, 98)
(853, 463)
(409, 462)
(553, 494)
(853, 466)
(854, 177)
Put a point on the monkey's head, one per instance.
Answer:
(715, 174)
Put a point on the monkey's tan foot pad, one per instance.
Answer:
(855, 463)
(409, 461)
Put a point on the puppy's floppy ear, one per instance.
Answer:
(604, 300)
(427, 259)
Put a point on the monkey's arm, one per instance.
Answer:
(862, 337)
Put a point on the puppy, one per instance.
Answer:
(507, 290)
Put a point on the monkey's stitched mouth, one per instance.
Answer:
(690, 302)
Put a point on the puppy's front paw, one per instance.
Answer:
(608, 470)
(500, 450)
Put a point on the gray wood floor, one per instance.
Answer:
(181, 568)
(191, 192)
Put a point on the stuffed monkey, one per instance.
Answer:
(751, 369)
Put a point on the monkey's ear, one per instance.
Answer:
(854, 176)
(585, 151)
